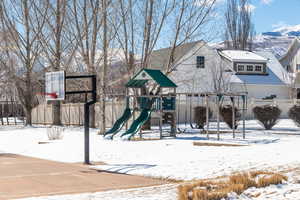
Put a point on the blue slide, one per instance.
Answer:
(118, 124)
(137, 124)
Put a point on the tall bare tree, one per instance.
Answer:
(239, 29)
(23, 21)
(57, 44)
(86, 26)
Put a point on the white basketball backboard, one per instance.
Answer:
(55, 84)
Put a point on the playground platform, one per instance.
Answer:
(22, 176)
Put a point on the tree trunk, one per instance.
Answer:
(28, 116)
(104, 70)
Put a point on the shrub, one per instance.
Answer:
(55, 132)
(226, 114)
(294, 114)
(200, 116)
(267, 115)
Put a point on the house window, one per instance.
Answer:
(250, 68)
(200, 62)
(241, 68)
(258, 68)
(298, 67)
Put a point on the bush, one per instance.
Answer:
(226, 114)
(200, 116)
(294, 114)
(268, 115)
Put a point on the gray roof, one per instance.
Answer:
(159, 58)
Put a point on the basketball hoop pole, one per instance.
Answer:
(87, 105)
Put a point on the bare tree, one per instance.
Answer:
(58, 48)
(105, 65)
(239, 28)
(23, 22)
(86, 26)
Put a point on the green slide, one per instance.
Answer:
(137, 124)
(119, 123)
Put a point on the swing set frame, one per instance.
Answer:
(235, 98)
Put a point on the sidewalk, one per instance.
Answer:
(22, 176)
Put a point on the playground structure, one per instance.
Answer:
(148, 92)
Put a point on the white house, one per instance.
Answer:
(200, 68)
(291, 60)
(258, 73)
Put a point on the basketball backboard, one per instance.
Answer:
(55, 85)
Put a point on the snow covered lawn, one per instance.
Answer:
(169, 158)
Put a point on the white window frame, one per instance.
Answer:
(245, 66)
(258, 65)
(239, 65)
(249, 65)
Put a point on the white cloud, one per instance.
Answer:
(266, 1)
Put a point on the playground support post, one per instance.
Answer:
(207, 116)
(233, 116)
(244, 108)
(218, 116)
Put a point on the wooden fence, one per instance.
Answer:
(72, 114)
(11, 113)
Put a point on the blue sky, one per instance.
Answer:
(269, 14)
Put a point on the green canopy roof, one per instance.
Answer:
(142, 77)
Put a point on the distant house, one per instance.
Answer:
(291, 60)
(258, 73)
(200, 68)
(194, 64)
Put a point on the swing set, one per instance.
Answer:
(208, 100)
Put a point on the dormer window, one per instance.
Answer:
(258, 68)
(200, 62)
(241, 68)
(250, 68)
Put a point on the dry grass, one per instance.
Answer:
(238, 183)
(274, 179)
(254, 174)
(242, 179)
(217, 144)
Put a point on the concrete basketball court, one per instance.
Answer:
(22, 176)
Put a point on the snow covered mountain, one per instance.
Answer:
(277, 41)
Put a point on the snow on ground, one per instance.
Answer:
(169, 158)
(165, 192)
